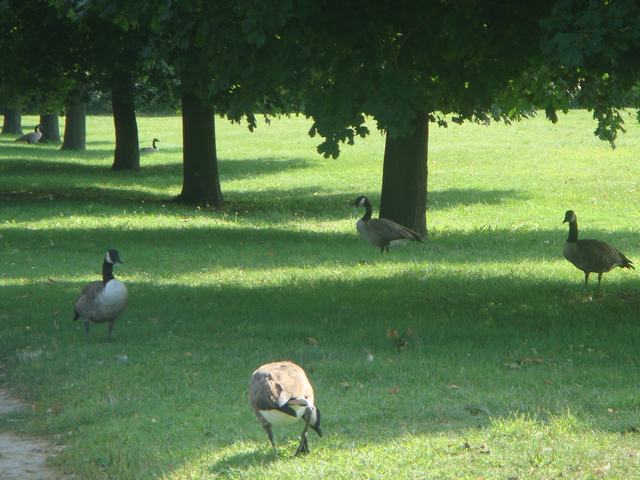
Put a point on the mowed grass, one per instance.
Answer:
(477, 354)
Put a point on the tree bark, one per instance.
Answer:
(75, 126)
(201, 182)
(12, 123)
(127, 152)
(404, 178)
(50, 127)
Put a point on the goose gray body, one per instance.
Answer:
(382, 232)
(153, 148)
(105, 300)
(280, 393)
(591, 256)
(31, 137)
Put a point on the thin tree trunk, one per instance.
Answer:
(404, 178)
(50, 127)
(127, 152)
(75, 126)
(201, 182)
(12, 123)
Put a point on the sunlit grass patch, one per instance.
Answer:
(474, 354)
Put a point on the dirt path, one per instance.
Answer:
(21, 457)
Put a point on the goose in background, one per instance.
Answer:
(31, 137)
(591, 256)
(381, 232)
(280, 394)
(153, 148)
(102, 301)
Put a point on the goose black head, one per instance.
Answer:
(315, 421)
(112, 257)
(569, 216)
(37, 127)
(361, 201)
(155, 140)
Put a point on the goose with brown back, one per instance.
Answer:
(102, 301)
(382, 232)
(591, 256)
(280, 394)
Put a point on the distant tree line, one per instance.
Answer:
(407, 64)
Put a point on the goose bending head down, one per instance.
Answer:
(152, 148)
(280, 393)
(382, 232)
(102, 301)
(591, 256)
(31, 137)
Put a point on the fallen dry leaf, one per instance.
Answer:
(394, 390)
(313, 341)
(453, 386)
(345, 385)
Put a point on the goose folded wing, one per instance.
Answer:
(601, 254)
(390, 230)
(87, 297)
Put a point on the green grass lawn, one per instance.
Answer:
(502, 366)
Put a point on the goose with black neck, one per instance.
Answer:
(382, 232)
(102, 301)
(591, 256)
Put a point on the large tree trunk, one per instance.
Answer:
(127, 152)
(201, 182)
(12, 123)
(404, 178)
(75, 126)
(50, 127)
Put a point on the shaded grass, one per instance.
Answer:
(475, 354)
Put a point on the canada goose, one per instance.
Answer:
(32, 137)
(381, 232)
(280, 394)
(102, 301)
(591, 255)
(153, 148)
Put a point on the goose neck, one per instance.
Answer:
(368, 211)
(573, 232)
(107, 271)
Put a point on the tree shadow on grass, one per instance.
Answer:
(238, 245)
(445, 199)
(36, 159)
(229, 463)
(510, 346)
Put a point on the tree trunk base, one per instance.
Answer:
(404, 178)
(12, 123)
(75, 128)
(50, 128)
(200, 180)
(127, 152)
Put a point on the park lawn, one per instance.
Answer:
(476, 354)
